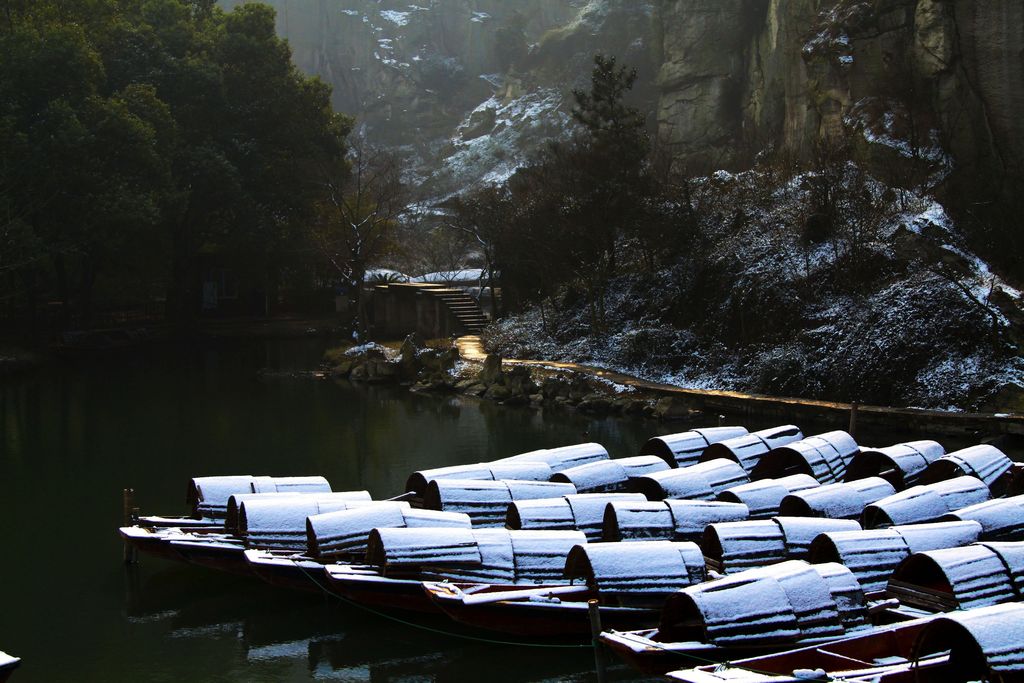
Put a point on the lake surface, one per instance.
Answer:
(75, 434)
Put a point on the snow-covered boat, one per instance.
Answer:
(948, 579)
(873, 554)
(486, 502)
(838, 501)
(824, 456)
(685, 448)
(900, 464)
(747, 450)
(764, 497)
(973, 645)
(987, 463)
(607, 476)
(925, 502)
(1001, 519)
(666, 520)
(703, 481)
(730, 547)
(404, 558)
(580, 512)
(782, 606)
(7, 665)
(630, 581)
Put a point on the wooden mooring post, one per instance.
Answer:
(853, 420)
(131, 515)
(595, 631)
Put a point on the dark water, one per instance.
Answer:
(74, 435)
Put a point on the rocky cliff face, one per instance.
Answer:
(911, 77)
(468, 87)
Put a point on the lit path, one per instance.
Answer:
(735, 402)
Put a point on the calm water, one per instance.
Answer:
(74, 435)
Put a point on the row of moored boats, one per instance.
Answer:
(811, 556)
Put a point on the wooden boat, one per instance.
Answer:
(292, 571)
(747, 450)
(666, 520)
(873, 554)
(837, 501)
(7, 665)
(730, 547)
(977, 644)
(1001, 519)
(685, 448)
(764, 497)
(987, 463)
(785, 605)
(703, 481)
(607, 476)
(403, 558)
(925, 502)
(900, 464)
(824, 456)
(486, 502)
(630, 581)
(948, 579)
(580, 512)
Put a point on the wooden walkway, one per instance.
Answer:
(738, 403)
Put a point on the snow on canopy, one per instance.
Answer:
(231, 519)
(346, 532)
(685, 448)
(873, 554)
(606, 476)
(985, 462)
(563, 457)
(749, 449)
(776, 605)
(668, 520)
(484, 471)
(900, 464)
(1001, 519)
(580, 512)
(737, 546)
(702, 481)
(925, 503)
(764, 497)
(961, 578)
(290, 485)
(400, 548)
(824, 456)
(450, 276)
(486, 502)
(514, 557)
(636, 574)
(838, 501)
(280, 522)
(983, 643)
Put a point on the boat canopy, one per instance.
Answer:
(280, 522)
(667, 520)
(901, 464)
(961, 578)
(581, 512)
(636, 574)
(983, 644)
(563, 457)
(231, 521)
(873, 554)
(749, 449)
(985, 462)
(737, 546)
(486, 471)
(702, 481)
(346, 532)
(685, 448)
(606, 476)
(763, 497)
(1001, 519)
(208, 496)
(838, 501)
(925, 502)
(825, 457)
(478, 555)
(486, 502)
(776, 605)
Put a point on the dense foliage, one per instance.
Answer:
(142, 139)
